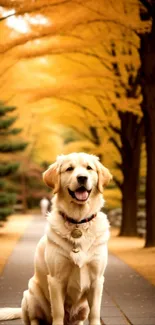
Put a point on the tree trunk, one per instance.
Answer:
(131, 138)
(150, 179)
(147, 53)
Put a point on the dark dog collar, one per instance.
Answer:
(77, 222)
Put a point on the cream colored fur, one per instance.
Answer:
(67, 287)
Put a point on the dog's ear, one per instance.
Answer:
(52, 177)
(104, 176)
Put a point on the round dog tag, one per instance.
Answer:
(76, 233)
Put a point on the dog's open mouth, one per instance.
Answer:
(81, 194)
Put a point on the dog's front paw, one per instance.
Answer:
(58, 322)
(96, 321)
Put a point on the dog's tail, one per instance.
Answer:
(10, 313)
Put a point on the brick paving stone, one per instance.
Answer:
(19, 268)
(110, 311)
(128, 298)
(134, 295)
(114, 321)
(143, 321)
(106, 300)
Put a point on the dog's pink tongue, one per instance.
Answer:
(81, 195)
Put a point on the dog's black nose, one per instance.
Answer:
(82, 179)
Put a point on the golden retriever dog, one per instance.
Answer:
(71, 258)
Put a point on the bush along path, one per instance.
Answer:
(9, 145)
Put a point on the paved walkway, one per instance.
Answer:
(128, 298)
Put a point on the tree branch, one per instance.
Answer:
(114, 141)
(115, 129)
(118, 183)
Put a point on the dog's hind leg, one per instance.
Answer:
(35, 322)
(32, 312)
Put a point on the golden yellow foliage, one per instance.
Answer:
(69, 65)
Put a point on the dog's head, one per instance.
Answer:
(77, 176)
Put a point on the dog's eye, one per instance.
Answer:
(89, 167)
(69, 169)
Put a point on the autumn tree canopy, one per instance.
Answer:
(73, 67)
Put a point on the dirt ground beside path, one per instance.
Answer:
(132, 252)
(10, 233)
